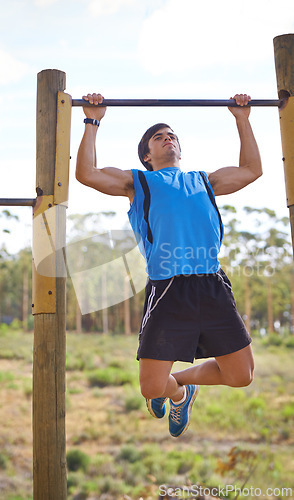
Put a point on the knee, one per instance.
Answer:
(237, 368)
(242, 379)
(151, 390)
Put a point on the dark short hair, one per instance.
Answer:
(143, 147)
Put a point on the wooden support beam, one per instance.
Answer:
(62, 149)
(49, 454)
(284, 61)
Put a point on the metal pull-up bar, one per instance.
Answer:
(17, 202)
(153, 103)
(181, 102)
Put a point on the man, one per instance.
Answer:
(189, 311)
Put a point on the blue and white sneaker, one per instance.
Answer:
(156, 407)
(179, 417)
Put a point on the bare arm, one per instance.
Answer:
(112, 181)
(231, 179)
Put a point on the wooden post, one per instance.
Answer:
(49, 454)
(284, 61)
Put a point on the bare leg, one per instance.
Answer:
(156, 380)
(235, 370)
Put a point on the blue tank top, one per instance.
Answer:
(176, 222)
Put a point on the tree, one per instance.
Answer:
(8, 215)
(275, 252)
(82, 254)
(255, 260)
(240, 249)
(99, 262)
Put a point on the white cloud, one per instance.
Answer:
(107, 7)
(12, 70)
(190, 34)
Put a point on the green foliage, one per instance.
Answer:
(257, 255)
(16, 345)
(77, 460)
(256, 407)
(289, 342)
(277, 340)
(72, 481)
(111, 375)
(6, 377)
(19, 497)
(3, 461)
(288, 412)
(133, 402)
(16, 325)
(80, 362)
(273, 339)
(4, 329)
(129, 453)
(8, 215)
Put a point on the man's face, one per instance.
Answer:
(163, 147)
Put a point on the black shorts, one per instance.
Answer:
(190, 317)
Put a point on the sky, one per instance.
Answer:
(141, 49)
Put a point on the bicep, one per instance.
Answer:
(110, 180)
(228, 180)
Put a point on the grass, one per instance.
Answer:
(116, 450)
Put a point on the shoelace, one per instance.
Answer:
(175, 414)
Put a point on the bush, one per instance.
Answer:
(273, 339)
(109, 376)
(72, 482)
(129, 453)
(133, 402)
(3, 461)
(288, 411)
(256, 403)
(79, 361)
(3, 329)
(289, 342)
(76, 459)
(6, 377)
(16, 325)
